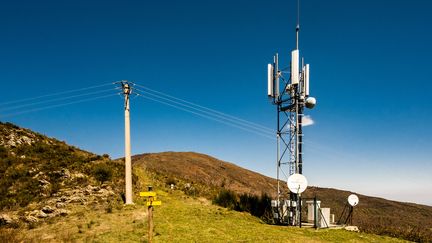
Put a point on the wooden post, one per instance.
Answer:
(150, 216)
(151, 201)
(150, 223)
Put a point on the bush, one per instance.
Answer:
(102, 173)
(255, 205)
(227, 199)
(169, 181)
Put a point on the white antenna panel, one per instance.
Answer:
(295, 67)
(270, 80)
(306, 80)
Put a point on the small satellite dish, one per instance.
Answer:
(353, 200)
(297, 183)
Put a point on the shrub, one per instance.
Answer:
(255, 205)
(102, 173)
(170, 180)
(227, 199)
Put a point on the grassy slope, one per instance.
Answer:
(180, 219)
(375, 215)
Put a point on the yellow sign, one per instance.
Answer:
(147, 194)
(154, 203)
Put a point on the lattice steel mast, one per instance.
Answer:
(290, 102)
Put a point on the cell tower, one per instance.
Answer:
(290, 97)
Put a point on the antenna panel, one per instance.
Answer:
(306, 80)
(270, 80)
(295, 67)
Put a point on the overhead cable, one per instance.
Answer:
(207, 113)
(208, 117)
(27, 104)
(55, 94)
(57, 105)
(208, 109)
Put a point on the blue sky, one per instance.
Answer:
(370, 64)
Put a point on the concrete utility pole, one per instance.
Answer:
(127, 90)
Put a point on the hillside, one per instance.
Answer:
(41, 177)
(206, 170)
(52, 191)
(373, 214)
(181, 218)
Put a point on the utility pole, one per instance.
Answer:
(127, 90)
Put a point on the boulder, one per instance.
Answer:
(6, 219)
(60, 205)
(65, 173)
(77, 199)
(62, 212)
(103, 192)
(47, 209)
(78, 176)
(62, 199)
(42, 215)
(31, 219)
(352, 228)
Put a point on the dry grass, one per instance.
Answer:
(375, 215)
(180, 219)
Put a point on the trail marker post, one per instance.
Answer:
(151, 201)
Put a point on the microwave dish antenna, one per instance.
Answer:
(353, 200)
(297, 183)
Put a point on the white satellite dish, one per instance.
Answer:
(297, 183)
(353, 200)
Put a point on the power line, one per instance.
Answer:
(158, 96)
(209, 117)
(207, 113)
(55, 94)
(58, 105)
(52, 100)
(208, 109)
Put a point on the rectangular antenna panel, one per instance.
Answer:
(270, 80)
(295, 67)
(306, 80)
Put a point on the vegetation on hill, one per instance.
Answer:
(37, 172)
(379, 216)
(180, 218)
(43, 180)
(211, 176)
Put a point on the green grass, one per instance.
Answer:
(180, 219)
